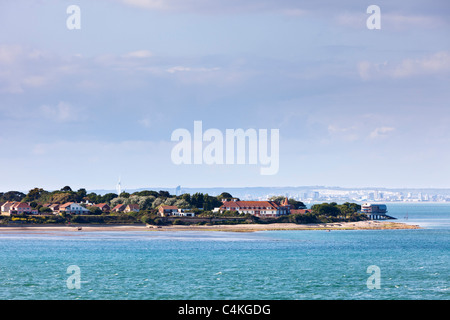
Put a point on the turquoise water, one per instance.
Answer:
(219, 265)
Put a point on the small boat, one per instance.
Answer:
(79, 228)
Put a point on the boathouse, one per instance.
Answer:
(375, 211)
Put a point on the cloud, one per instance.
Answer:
(398, 21)
(350, 13)
(286, 7)
(381, 132)
(100, 152)
(35, 81)
(294, 12)
(356, 20)
(435, 64)
(202, 75)
(150, 4)
(62, 112)
(139, 54)
(364, 69)
(9, 53)
(185, 69)
(178, 69)
(343, 133)
(22, 68)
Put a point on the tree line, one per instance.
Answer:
(150, 200)
(147, 199)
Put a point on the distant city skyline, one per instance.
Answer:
(311, 193)
(307, 194)
(354, 107)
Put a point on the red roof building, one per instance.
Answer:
(103, 206)
(20, 208)
(256, 208)
(300, 211)
(13, 207)
(119, 208)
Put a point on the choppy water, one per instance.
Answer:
(413, 264)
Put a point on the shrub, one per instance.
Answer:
(177, 222)
(304, 218)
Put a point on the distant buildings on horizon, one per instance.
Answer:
(331, 195)
(323, 194)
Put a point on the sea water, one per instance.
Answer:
(412, 264)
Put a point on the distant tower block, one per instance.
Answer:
(178, 191)
(119, 188)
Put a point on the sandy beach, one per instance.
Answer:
(360, 225)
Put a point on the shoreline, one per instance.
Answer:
(359, 225)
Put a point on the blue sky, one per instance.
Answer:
(355, 107)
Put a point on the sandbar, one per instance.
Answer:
(359, 225)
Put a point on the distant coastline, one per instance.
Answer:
(336, 226)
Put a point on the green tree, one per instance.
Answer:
(170, 201)
(35, 194)
(186, 197)
(81, 193)
(277, 198)
(118, 200)
(209, 202)
(45, 210)
(348, 209)
(157, 203)
(107, 198)
(296, 204)
(146, 193)
(303, 218)
(93, 197)
(34, 204)
(164, 194)
(326, 209)
(145, 202)
(95, 210)
(197, 200)
(182, 204)
(13, 196)
(61, 197)
(224, 195)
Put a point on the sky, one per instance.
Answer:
(354, 107)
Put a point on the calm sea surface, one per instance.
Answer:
(413, 264)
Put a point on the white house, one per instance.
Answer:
(165, 211)
(184, 213)
(73, 208)
(7, 206)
